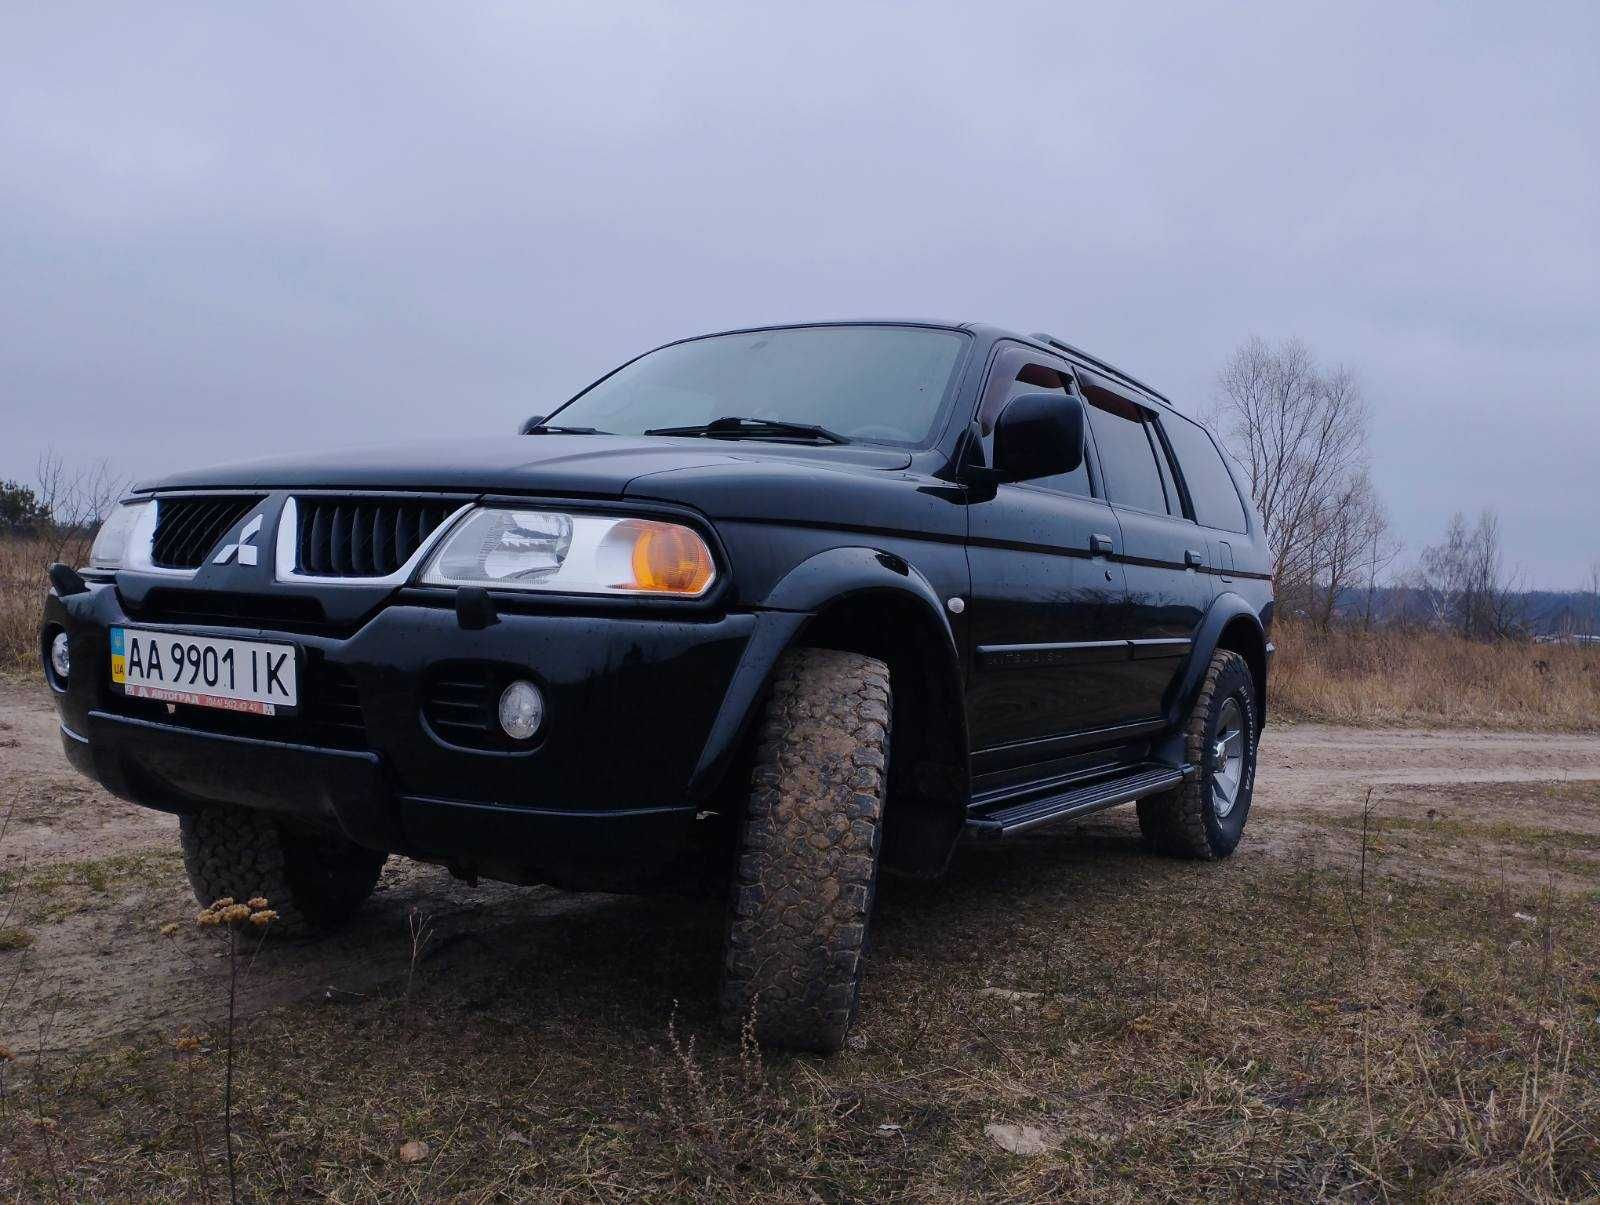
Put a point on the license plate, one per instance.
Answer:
(233, 675)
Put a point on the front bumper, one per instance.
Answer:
(643, 716)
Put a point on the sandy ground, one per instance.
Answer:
(98, 966)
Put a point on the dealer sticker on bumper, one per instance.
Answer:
(233, 675)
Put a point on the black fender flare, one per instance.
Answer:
(838, 572)
(827, 577)
(1227, 608)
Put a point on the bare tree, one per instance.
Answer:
(75, 501)
(1464, 581)
(1349, 545)
(1594, 598)
(1382, 550)
(1301, 434)
(1440, 575)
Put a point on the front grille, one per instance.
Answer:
(188, 528)
(356, 537)
(459, 702)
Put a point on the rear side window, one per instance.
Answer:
(1127, 458)
(1211, 489)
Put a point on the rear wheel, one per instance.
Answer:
(807, 868)
(312, 880)
(1205, 817)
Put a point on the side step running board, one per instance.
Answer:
(1002, 819)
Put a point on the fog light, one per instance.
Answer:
(521, 710)
(60, 656)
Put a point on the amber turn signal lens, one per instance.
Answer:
(669, 559)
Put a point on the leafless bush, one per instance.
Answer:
(76, 500)
(721, 1120)
(420, 926)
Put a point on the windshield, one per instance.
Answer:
(880, 384)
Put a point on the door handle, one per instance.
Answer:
(1101, 545)
(1193, 559)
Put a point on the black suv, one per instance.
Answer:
(772, 608)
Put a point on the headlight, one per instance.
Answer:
(111, 542)
(514, 549)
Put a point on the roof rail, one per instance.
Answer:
(1063, 345)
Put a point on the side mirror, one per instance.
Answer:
(1038, 435)
(533, 424)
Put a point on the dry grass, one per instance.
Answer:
(1257, 1029)
(1425, 678)
(22, 590)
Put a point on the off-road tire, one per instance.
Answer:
(1183, 822)
(314, 881)
(806, 873)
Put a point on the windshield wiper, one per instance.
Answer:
(545, 429)
(733, 427)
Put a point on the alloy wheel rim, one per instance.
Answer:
(1227, 759)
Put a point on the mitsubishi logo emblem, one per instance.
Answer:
(248, 553)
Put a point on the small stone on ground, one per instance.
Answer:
(1021, 1139)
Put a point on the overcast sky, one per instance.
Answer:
(229, 229)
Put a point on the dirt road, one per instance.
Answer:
(87, 881)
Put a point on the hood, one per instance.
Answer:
(567, 465)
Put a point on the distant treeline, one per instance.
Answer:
(1537, 612)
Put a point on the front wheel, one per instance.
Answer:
(312, 880)
(1204, 818)
(807, 869)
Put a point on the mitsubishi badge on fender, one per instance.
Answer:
(763, 613)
